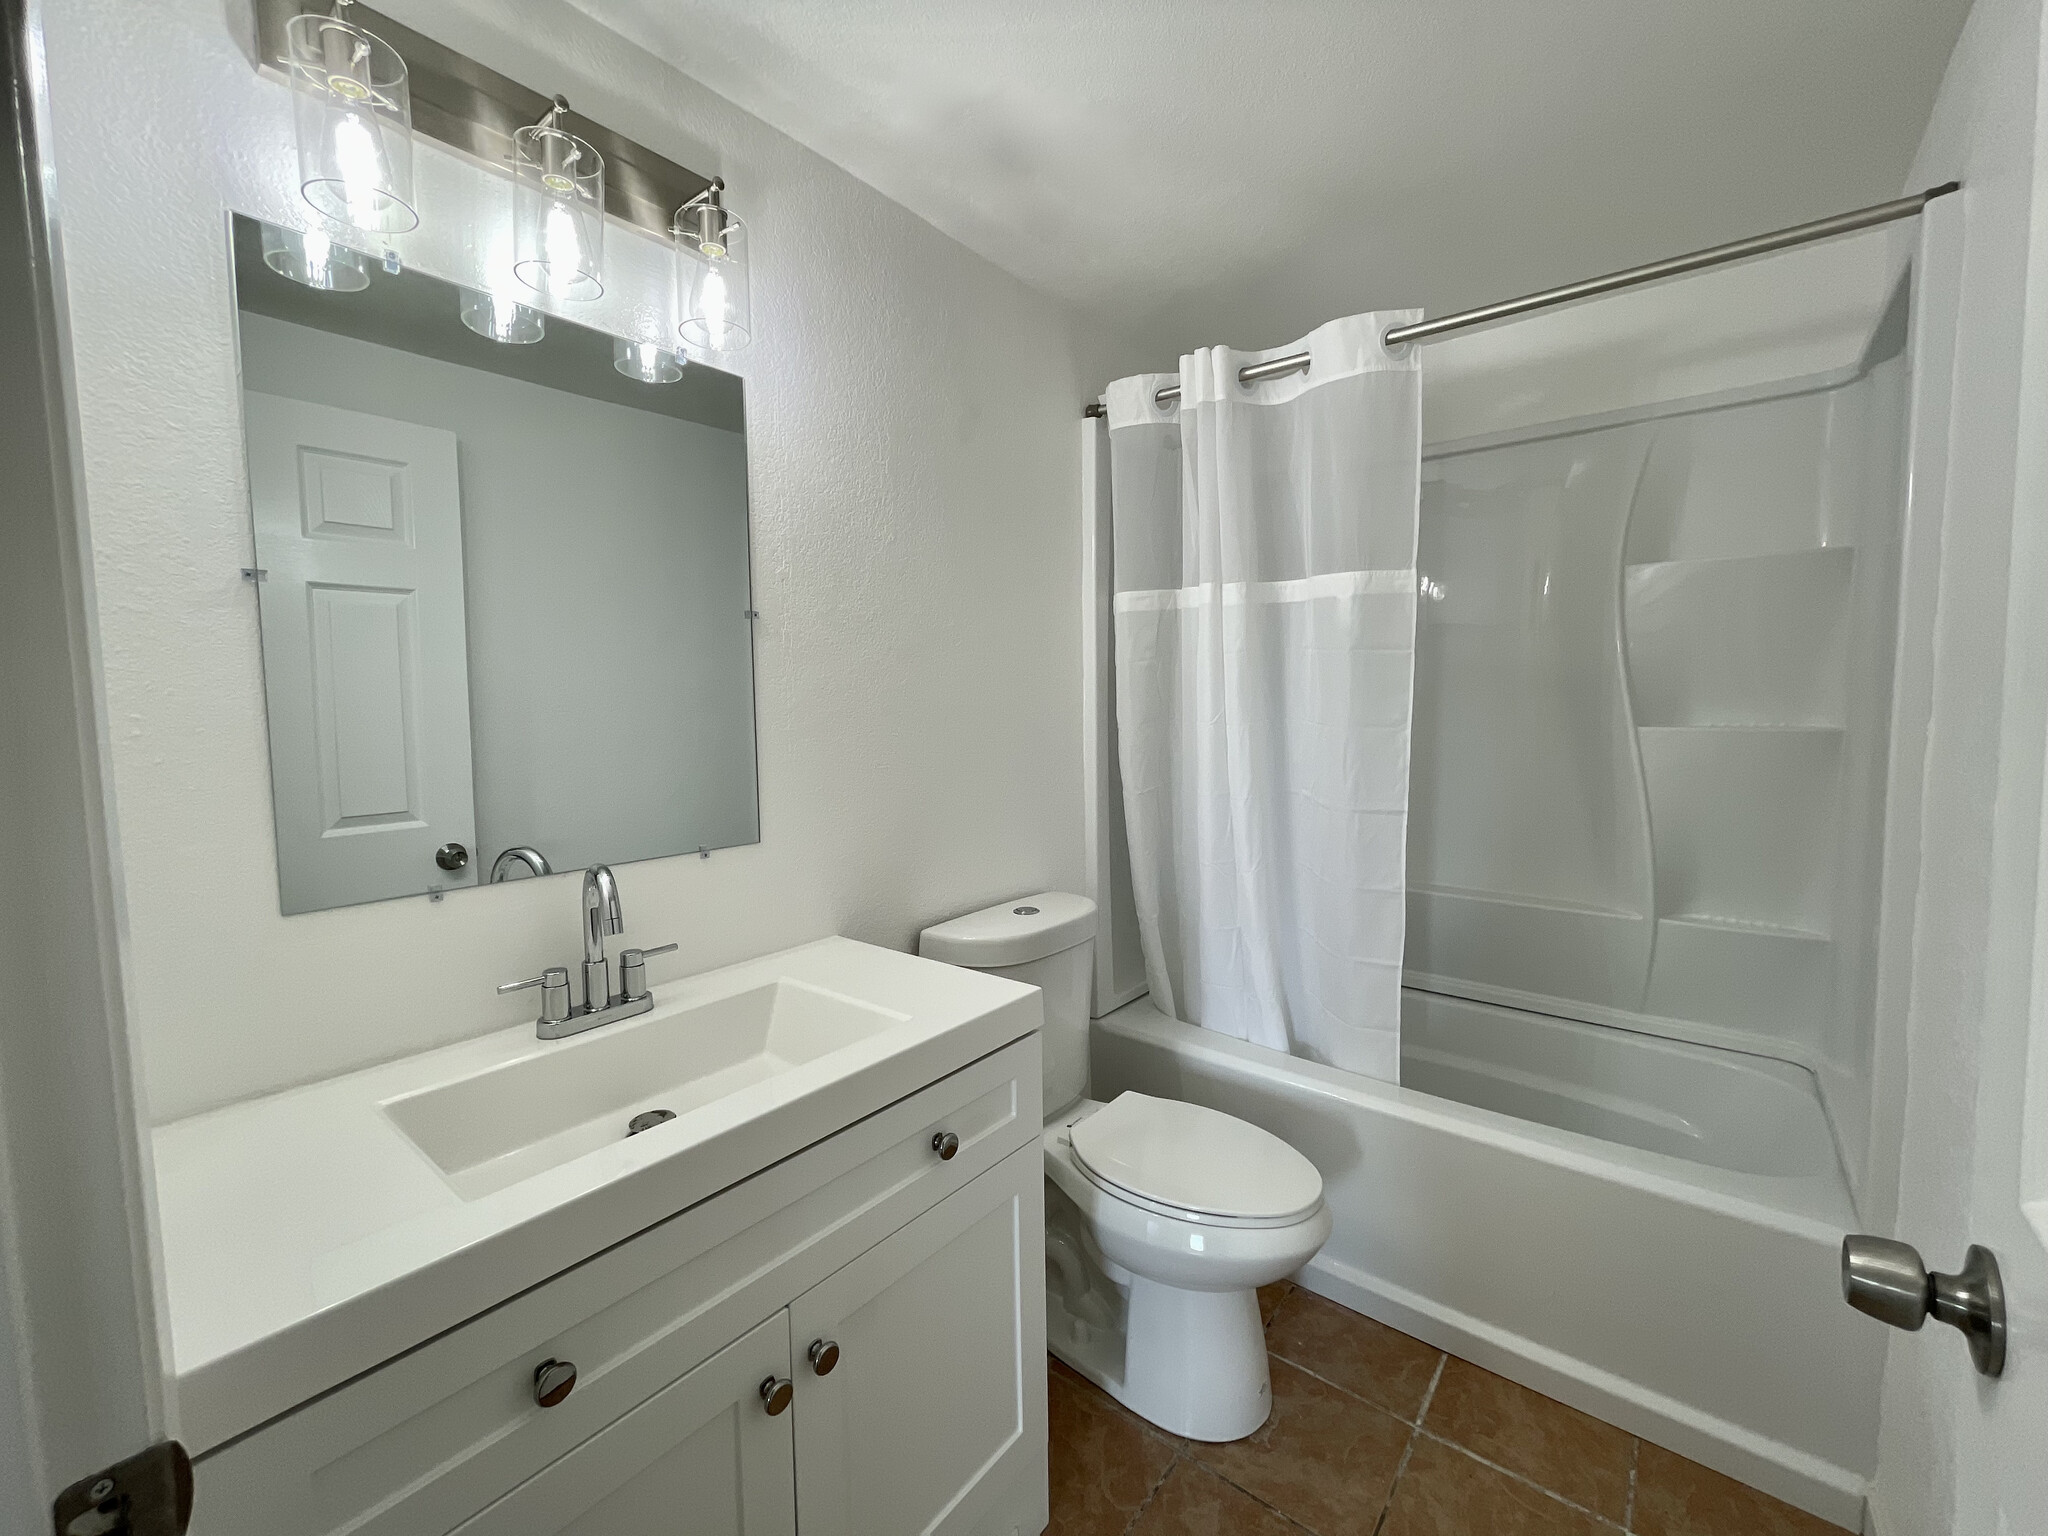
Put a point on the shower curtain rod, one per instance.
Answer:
(1628, 277)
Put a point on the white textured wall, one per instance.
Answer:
(914, 483)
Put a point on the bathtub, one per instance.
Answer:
(1647, 1230)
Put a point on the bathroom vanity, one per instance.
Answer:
(453, 1293)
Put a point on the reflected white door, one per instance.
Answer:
(365, 662)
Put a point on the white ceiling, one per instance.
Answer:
(1239, 170)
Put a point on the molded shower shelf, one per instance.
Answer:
(1750, 480)
(1749, 640)
(1528, 943)
(1741, 821)
(1741, 975)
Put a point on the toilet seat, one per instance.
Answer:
(1193, 1163)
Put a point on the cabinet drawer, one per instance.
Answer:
(704, 1450)
(420, 1444)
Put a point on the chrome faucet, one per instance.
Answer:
(532, 858)
(602, 919)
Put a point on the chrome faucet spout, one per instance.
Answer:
(601, 918)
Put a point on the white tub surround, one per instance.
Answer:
(1691, 1302)
(311, 1235)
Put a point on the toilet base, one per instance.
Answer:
(1194, 1362)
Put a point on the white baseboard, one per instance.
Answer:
(1816, 1486)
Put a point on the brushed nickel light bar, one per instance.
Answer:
(1628, 277)
(479, 111)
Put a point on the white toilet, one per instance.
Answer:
(1162, 1218)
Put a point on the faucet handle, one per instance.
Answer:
(633, 971)
(554, 993)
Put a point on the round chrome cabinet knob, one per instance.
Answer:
(824, 1355)
(776, 1393)
(946, 1144)
(452, 856)
(553, 1380)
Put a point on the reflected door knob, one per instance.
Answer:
(824, 1354)
(553, 1380)
(452, 856)
(776, 1393)
(1886, 1279)
(946, 1144)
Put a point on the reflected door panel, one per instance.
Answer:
(359, 535)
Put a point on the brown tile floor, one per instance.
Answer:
(1377, 1434)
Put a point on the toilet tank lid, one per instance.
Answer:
(1012, 932)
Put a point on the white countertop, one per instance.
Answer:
(306, 1239)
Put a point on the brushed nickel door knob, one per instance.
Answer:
(776, 1393)
(824, 1355)
(553, 1380)
(1886, 1279)
(452, 856)
(946, 1144)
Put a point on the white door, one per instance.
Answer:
(932, 1418)
(1962, 1454)
(365, 659)
(702, 1457)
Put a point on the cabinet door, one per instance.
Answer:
(702, 1457)
(933, 1418)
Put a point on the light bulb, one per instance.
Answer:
(360, 159)
(714, 308)
(319, 258)
(560, 240)
(500, 317)
(646, 362)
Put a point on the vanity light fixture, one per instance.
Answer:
(313, 259)
(711, 272)
(647, 362)
(557, 210)
(352, 108)
(497, 317)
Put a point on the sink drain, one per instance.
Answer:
(647, 1120)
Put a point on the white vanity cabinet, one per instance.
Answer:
(925, 1270)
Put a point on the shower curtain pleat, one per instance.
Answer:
(1265, 636)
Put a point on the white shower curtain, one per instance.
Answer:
(1265, 639)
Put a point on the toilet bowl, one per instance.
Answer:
(1162, 1218)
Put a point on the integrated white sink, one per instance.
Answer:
(313, 1234)
(506, 1124)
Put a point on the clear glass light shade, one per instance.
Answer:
(500, 318)
(644, 361)
(313, 259)
(353, 112)
(711, 279)
(557, 213)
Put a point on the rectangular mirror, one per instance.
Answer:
(504, 584)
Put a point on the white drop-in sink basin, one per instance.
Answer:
(500, 1126)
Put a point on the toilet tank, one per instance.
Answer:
(1045, 941)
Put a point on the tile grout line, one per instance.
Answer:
(1355, 1396)
(1415, 1425)
(1230, 1482)
(1635, 1460)
(1408, 1450)
(1153, 1493)
(1526, 1481)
